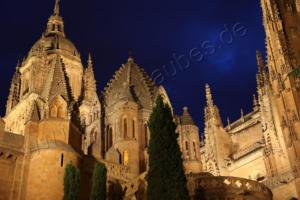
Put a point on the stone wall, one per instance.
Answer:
(11, 155)
(46, 172)
(7, 167)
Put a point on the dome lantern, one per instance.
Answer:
(55, 24)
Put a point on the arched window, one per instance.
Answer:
(146, 135)
(62, 160)
(125, 128)
(187, 145)
(133, 128)
(195, 150)
(53, 112)
(125, 158)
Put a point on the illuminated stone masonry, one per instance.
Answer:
(55, 115)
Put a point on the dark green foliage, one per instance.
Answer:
(99, 182)
(71, 183)
(166, 178)
(296, 72)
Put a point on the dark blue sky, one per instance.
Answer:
(155, 31)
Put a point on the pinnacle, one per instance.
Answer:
(90, 61)
(56, 8)
(209, 95)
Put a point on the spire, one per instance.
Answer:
(90, 69)
(90, 61)
(211, 110)
(89, 81)
(56, 8)
(186, 118)
(209, 98)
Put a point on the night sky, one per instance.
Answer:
(158, 33)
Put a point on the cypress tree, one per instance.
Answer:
(99, 182)
(71, 183)
(166, 178)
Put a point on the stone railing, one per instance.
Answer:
(214, 186)
(117, 171)
(284, 178)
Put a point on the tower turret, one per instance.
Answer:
(189, 142)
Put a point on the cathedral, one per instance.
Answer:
(55, 116)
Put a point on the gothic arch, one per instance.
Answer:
(125, 127)
(58, 108)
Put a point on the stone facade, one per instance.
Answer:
(55, 116)
(264, 145)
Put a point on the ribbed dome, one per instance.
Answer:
(54, 39)
(54, 42)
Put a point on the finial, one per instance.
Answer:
(130, 56)
(209, 98)
(242, 114)
(228, 121)
(56, 7)
(255, 102)
(185, 108)
(90, 60)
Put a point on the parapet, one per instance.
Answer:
(223, 187)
